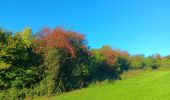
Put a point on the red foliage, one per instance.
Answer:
(60, 38)
(111, 55)
(158, 56)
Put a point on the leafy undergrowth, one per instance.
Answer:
(144, 85)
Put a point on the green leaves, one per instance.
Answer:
(18, 63)
(59, 60)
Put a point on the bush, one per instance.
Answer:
(58, 60)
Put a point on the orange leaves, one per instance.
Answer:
(59, 38)
(111, 55)
(74, 36)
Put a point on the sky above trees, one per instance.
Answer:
(138, 26)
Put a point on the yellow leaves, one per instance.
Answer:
(3, 53)
(26, 36)
(3, 50)
(4, 65)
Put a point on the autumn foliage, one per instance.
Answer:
(58, 37)
(57, 60)
(111, 55)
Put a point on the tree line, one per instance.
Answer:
(53, 61)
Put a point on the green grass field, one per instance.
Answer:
(153, 85)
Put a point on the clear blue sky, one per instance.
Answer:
(138, 26)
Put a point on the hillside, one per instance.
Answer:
(153, 85)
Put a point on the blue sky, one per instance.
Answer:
(138, 26)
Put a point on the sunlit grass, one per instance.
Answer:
(148, 85)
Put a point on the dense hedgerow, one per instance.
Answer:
(56, 60)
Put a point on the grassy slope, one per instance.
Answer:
(146, 86)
